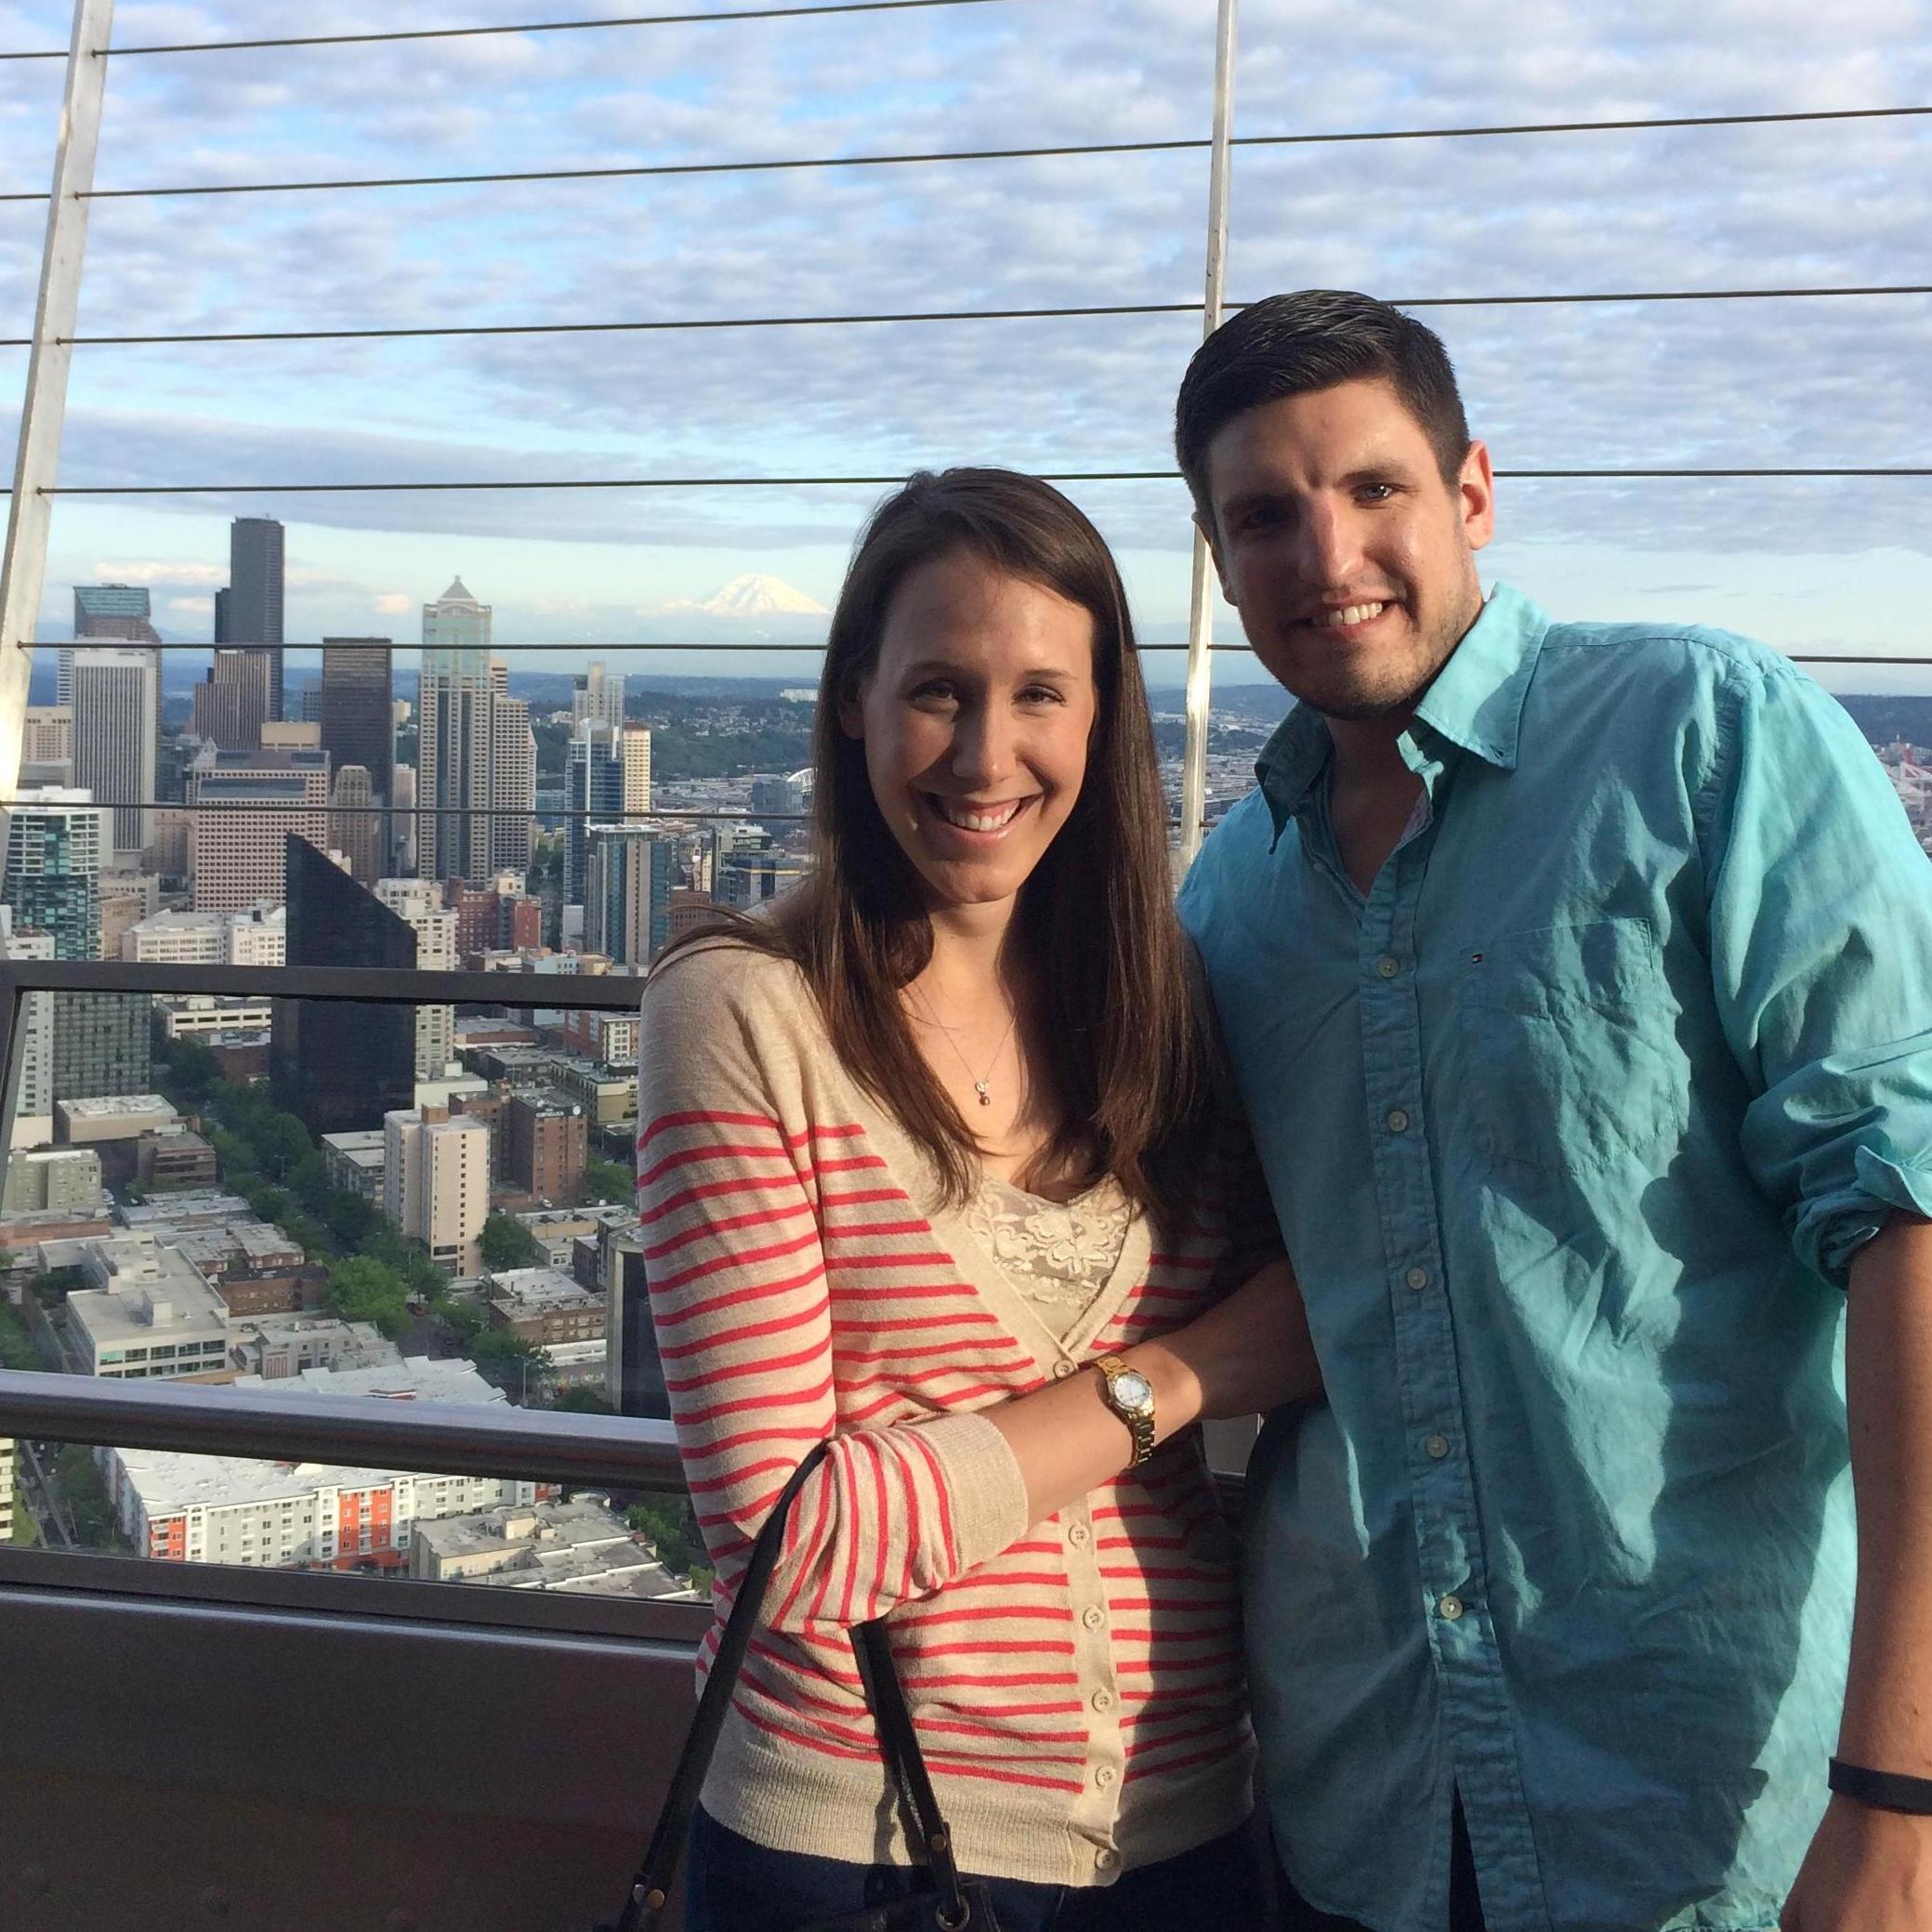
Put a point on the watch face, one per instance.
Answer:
(1133, 1390)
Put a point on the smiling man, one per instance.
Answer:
(1580, 981)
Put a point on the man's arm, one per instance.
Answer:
(1868, 1869)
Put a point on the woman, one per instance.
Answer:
(916, 1153)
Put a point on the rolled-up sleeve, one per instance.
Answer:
(1821, 945)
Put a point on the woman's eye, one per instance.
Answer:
(934, 694)
(1040, 694)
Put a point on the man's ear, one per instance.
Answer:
(1476, 486)
(1206, 527)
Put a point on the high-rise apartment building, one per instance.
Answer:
(476, 755)
(355, 823)
(436, 1182)
(341, 1064)
(230, 706)
(51, 878)
(242, 807)
(116, 726)
(629, 873)
(419, 904)
(34, 1040)
(106, 612)
(597, 698)
(252, 612)
(593, 779)
(101, 1044)
(545, 1145)
(46, 745)
(635, 754)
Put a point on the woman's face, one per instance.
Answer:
(976, 720)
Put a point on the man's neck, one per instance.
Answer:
(1372, 794)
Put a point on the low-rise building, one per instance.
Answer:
(276, 1351)
(209, 1209)
(544, 1305)
(54, 1180)
(558, 1230)
(354, 1161)
(146, 1313)
(175, 1158)
(208, 1017)
(540, 1547)
(111, 1117)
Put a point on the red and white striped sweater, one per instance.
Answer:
(1076, 1683)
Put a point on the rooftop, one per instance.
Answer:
(533, 1289)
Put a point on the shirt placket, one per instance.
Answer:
(1475, 1708)
(1097, 1811)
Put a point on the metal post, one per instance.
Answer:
(1200, 618)
(23, 560)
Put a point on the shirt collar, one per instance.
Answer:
(1475, 703)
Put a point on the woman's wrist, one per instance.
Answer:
(1177, 1387)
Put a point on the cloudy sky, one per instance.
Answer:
(1810, 565)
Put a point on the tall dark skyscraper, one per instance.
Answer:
(357, 708)
(254, 594)
(340, 1065)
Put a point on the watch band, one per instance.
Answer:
(1138, 1415)
(1889, 1791)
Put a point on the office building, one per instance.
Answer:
(33, 1040)
(635, 750)
(496, 918)
(597, 698)
(102, 1045)
(46, 745)
(341, 1064)
(545, 1306)
(476, 756)
(51, 879)
(418, 903)
(243, 806)
(54, 1180)
(146, 1313)
(255, 935)
(356, 707)
(436, 1182)
(126, 898)
(630, 872)
(776, 798)
(251, 611)
(106, 612)
(355, 824)
(593, 782)
(230, 705)
(545, 1144)
(747, 879)
(116, 724)
(634, 1376)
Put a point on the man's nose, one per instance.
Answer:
(1330, 545)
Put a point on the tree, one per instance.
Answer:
(192, 1070)
(671, 1527)
(516, 1366)
(362, 1289)
(55, 1284)
(507, 1243)
(582, 1402)
(280, 1140)
(606, 1181)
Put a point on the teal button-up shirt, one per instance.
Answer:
(1572, 1127)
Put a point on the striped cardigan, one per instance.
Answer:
(1076, 1683)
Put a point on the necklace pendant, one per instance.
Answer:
(982, 1088)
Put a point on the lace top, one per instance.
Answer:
(1058, 1254)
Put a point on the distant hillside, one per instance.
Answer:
(1886, 720)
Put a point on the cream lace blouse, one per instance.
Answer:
(1058, 1254)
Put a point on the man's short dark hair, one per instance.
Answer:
(1293, 344)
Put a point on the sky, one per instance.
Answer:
(1811, 566)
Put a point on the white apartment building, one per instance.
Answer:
(200, 1016)
(436, 1182)
(149, 1313)
(419, 904)
(34, 1105)
(255, 935)
(5, 1489)
(116, 729)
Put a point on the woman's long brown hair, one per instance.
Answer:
(1097, 915)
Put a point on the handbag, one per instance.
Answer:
(950, 1904)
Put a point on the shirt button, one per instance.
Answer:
(1397, 1121)
(1078, 1535)
(1093, 1618)
(1388, 967)
(1437, 1446)
(1105, 1776)
(1061, 1370)
(1417, 1278)
(1448, 1607)
(1105, 1859)
(1102, 1700)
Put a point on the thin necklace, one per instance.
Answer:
(982, 1083)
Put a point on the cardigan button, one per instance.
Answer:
(1061, 1370)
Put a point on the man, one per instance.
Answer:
(1580, 979)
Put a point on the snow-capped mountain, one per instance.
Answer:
(754, 595)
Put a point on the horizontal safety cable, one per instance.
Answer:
(1039, 153)
(604, 816)
(1069, 312)
(1051, 475)
(640, 19)
(392, 644)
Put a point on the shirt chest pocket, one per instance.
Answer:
(1567, 1050)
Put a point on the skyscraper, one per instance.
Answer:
(594, 781)
(419, 904)
(597, 698)
(55, 841)
(355, 826)
(358, 707)
(242, 806)
(629, 876)
(636, 769)
(107, 613)
(476, 756)
(341, 1065)
(232, 706)
(253, 607)
(116, 722)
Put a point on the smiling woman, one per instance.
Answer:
(918, 1149)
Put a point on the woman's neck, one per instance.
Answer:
(971, 968)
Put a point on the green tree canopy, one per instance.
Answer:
(607, 1182)
(362, 1289)
(507, 1243)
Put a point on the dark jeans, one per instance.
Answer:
(736, 1885)
(1464, 1904)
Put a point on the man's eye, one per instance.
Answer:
(1376, 492)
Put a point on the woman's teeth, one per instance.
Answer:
(977, 821)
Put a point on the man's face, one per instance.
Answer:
(1351, 561)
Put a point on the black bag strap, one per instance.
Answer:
(907, 1763)
(651, 1885)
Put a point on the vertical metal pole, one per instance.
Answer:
(24, 558)
(1200, 618)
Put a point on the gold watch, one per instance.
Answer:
(1131, 1396)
